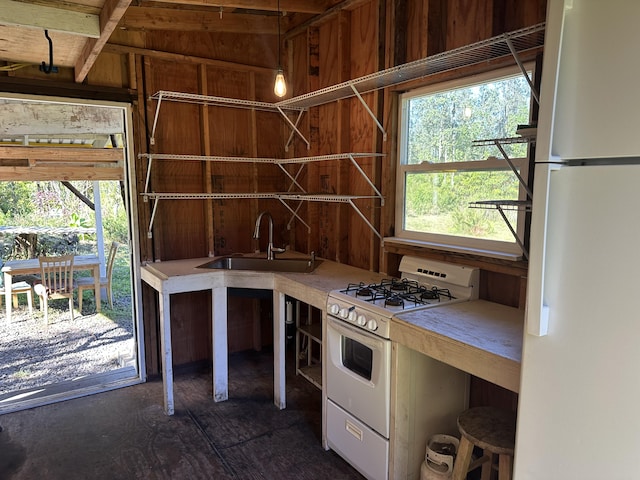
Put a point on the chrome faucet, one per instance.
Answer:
(271, 251)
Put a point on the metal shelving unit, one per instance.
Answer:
(502, 205)
(509, 44)
(499, 142)
(280, 162)
(209, 100)
(284, 197)
(512, 44)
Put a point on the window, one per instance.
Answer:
(441, 172)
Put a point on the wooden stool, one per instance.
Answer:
(494, 431)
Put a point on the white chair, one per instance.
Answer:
(57, 281)
(88, 283)
(16, 289)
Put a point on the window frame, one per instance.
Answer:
(484, 247)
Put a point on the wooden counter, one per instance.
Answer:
(479, 337)
(179, 276)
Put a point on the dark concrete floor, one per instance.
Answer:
(124, 434)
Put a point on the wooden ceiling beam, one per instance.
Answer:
(147, 18)
(111, 14)
(50, 155)
(325, 15)
(179, 57)
(57, 120)
(46, 173)
(49, 18)
(299, 6)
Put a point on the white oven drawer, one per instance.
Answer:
(366, 450)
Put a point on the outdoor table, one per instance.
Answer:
(32, 265)
(29, 235)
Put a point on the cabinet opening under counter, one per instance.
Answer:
(303, 330)
(477, 340)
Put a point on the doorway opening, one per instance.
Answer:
(67, 188)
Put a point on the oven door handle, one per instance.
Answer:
(368, 339)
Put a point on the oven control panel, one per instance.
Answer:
(358, 316)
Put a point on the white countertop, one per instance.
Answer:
(177, 276)
(479, 337)
(482, 338)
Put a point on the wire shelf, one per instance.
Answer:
(503, 204)
(507, 44)
(308, 197)
(213, 158)
(217, 101)
(523, 40)
(504, 141)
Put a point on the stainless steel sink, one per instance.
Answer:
(296, 265)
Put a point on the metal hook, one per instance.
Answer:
(43, 66)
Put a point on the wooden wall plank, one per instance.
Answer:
(181, 221)
(255, 50)
(110, 70)
(167, 19)
(150, 316)
(231, 135)
(329, 74)
(364, 133)
(179, 230)
(141, 145)
(343, 133)
(469, 21)
(515, 14)
(437, 26)
(417, 22)
(315, 242)
(206, 145)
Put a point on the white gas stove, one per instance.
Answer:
(358, 371)
(423, 284)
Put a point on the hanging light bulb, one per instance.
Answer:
(280, 86)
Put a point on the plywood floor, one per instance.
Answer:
(124, 434)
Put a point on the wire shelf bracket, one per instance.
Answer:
(499, 142)
(501, 206)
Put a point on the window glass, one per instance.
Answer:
(445, 167)
(438, 202)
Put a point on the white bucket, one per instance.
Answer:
(441, 455)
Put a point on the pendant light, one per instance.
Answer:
(280, 86)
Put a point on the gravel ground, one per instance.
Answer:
(34, 354)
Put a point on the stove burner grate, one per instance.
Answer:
(394, 292)
(364, 292)
(353, 287)
(394, 301)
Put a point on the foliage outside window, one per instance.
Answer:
(51, 204)
(441, 172)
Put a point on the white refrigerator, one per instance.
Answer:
(579, 403)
